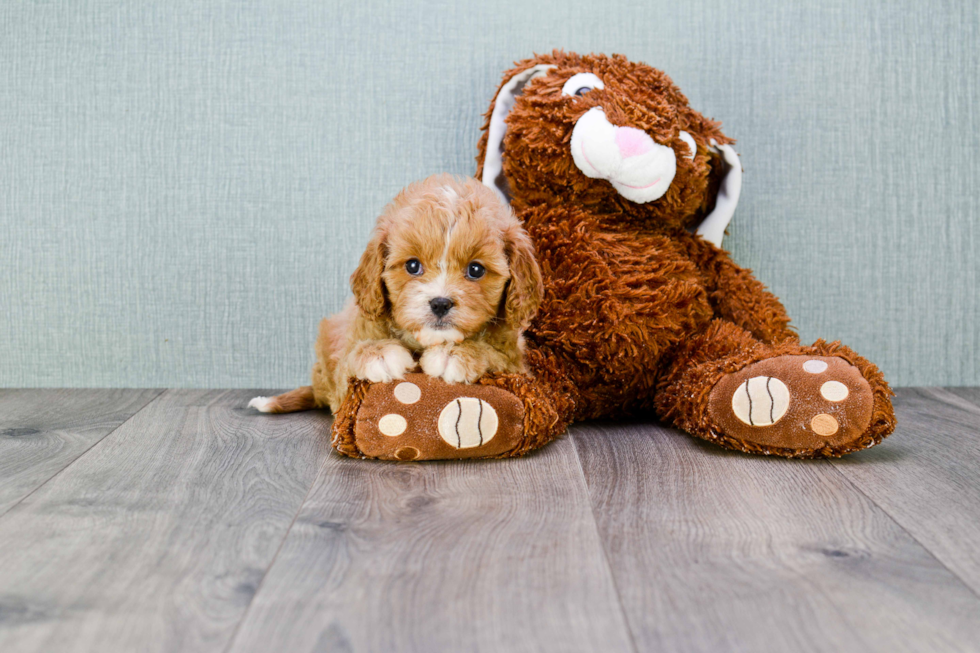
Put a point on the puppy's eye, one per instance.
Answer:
(475, 271)
(581, 83)
(413, 266)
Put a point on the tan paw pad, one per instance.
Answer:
(824, 424)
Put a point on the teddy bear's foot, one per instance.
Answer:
(422, 418)
(812, 405)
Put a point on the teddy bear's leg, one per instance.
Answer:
(781, 399)
(424, 418)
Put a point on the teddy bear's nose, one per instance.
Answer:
(632, 142)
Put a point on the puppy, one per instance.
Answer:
(448, 282)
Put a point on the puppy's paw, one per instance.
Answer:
(382, 363)
(449, 365)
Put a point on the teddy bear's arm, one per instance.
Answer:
(736, 295)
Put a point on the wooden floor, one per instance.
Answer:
(179, 520)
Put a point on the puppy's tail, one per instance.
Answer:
(290, 402)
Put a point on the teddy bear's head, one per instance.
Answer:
(607, 133)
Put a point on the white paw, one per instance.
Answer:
(434, 361)
(390, 364)
(455, 372)
(441, 364)
(262, 404)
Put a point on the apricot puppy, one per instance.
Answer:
(448, 282)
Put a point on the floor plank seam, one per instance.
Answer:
(932, 554)
(149, 401)
(282, 543)
(602, 546)
(953, 399)
(975, 402)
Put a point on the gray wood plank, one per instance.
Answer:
(970, 394)
(43, 431)
(717, 551)
(928, 478)
(157, 539)
(478, 556)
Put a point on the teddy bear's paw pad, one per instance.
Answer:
(793, 402)
(468, 422)
(424, 418)
(760, 401)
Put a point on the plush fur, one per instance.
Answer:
(641, 316)
(423, 250)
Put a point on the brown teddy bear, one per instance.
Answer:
(626, 192)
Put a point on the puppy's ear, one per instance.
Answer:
(366, 282)
(525, 290)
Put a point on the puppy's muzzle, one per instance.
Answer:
(440, 306)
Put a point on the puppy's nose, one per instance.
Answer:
(440, 306)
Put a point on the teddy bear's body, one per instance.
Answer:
(641, 295)
(611, 172)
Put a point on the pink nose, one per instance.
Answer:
(632, 142)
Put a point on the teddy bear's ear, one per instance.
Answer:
(492, 164)
(712, 228)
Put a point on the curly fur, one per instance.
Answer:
(638, 313)
(441, 226)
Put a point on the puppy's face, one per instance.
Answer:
(454, 258)
(446, 271)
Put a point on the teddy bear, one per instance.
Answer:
(626, 192)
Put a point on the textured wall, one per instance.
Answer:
(185, 187)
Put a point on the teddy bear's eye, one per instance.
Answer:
(581, 83)
(475, 271)
(413, 266)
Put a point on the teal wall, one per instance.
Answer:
(185, 186)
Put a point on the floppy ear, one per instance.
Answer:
(525, 290)
(490, 167)
(712, 228)
(366, 282)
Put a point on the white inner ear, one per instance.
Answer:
(493, 164)
(687, 138)
(712, 228)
